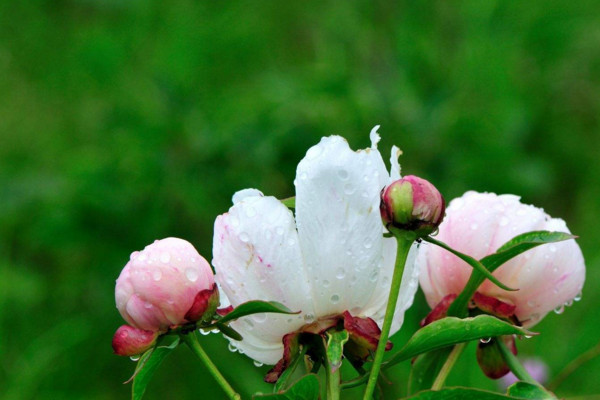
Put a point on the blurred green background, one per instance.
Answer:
(124, 121)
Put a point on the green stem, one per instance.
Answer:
(447, 367)
(401, 255)
(573, 365)
(514, 364)
(333, 383)
(192, 341)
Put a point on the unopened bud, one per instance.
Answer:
(130, 341)
(412, 204)
(204, 306)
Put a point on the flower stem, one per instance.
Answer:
(514, 364)
(447, 367)
(192, 341)
(333, 383)
(401, 255)
(573, 365)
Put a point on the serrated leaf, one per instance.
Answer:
(147, 366)
(229, 331)
(256, 307)
(460, 393)
(520, 244)
(450, 331)
(307, 388)
(335, 348)
(478, 266)
(524, 390)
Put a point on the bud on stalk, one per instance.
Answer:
(412, 204)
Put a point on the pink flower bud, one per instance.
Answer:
(548, 276)
(412, 204)
(159, 284)
(129, 341)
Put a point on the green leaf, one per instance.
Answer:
(524, 390)
(426, 368)
(147, 365)
(282, 381)
(450, 331)
(520, 244)
(229, 331)
(460, 393)
(290, 202)
(307, 388)
(335, 348)
(478, 266)
(255, 307)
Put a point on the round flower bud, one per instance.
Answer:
(412, 204)
(159, 284)
(129, 341)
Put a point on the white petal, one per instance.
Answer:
(410, 282)
(395, 166)
(339, 223)
(375, 137)
(244, 193)
(257, 257)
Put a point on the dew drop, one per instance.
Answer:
(531, 303)
(560, 309)
(232, 348)
(474, 226)
(142, 257)
(340, 273)
(234, 221)
(527, 336)
(191, 274)
(250, 212)
(578, 296)
(148, 305)
(334, 298)
(343, 174)
(260, 318)
(193, 259)
(368, 244)
(203, 332)
(485, 340)
(134, 255)
(326, 283)
(156, 275)
(165, 258)
(303, 176)
(244, 237)
(374, 275)
(552, 248)
(135, 358)
(258, 364)
(309, 317)
(349, 188)
(291, 242)
(279, 230)
(568, 303)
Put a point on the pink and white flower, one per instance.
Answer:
(477, 224)
(159, 284)
(328, 258)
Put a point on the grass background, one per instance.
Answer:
(123, 121)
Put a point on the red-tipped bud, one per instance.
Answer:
(412, 204)
(204, 306)
(129, 341)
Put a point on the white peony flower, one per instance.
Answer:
(330, 258)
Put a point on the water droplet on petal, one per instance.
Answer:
(368, 244)
(303, 175)
(258, 364)
(134, 255)
(485, 340)
(156, 275)
(250, 212)
(165, 257)
(560, 309)
(474, 226)
(326, 283)
(260, 318)
(148, 305)
(309, 317)
(374, 275)
(343, 174)
(232, 348)
(191, 274)
(335, 298)
(340, 273)
(578, 296)
(349, 189)
(568, 303)
(313, 152)
(135, 358)
(142, 257)
(279, 230)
